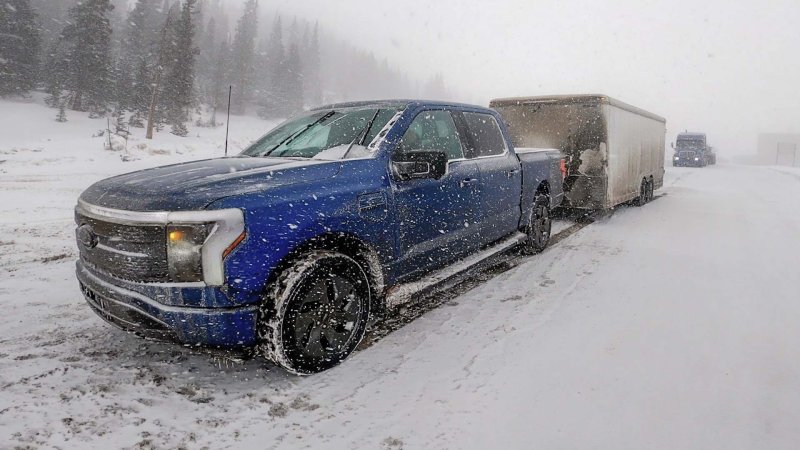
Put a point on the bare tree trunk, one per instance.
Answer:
(151, 116)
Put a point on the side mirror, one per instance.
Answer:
(419, 164)
(672, 144)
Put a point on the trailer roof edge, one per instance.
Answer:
(581, 98)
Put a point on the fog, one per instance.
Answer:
(729, 68)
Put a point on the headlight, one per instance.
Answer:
(697, 159)
(184, 251)
(677, 158)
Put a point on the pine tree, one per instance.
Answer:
(20, 43)
(293, 86)
(139, 56)
(220, 73)
(243, 55)
(274, 95)
(311, 70)
(205, 63)
(62, 113)
(179, 82)
(138, 97)
(87, 38)
(51, 14)
(154, 111)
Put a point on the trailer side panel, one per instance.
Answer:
(635, 152)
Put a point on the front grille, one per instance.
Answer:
(686, 155)
(129, 252)
(128, 319)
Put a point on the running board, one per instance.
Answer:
(402, 293)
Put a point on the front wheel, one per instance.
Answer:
(539, 227)
(315, 314)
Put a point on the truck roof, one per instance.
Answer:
(692, 134)
(397, 103)
(579, 98)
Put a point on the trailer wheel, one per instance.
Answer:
(315, 314)
(650, 190)
(539, 226)
(642, 199)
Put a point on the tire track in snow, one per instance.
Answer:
(467, 281)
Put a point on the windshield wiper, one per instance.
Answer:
(363, 135)
(294, 136)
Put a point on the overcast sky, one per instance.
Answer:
(731, 68)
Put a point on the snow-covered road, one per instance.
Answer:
(675, 325)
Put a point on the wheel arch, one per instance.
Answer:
(529, 202)
(348, 245)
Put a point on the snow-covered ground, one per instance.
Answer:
(674, 325)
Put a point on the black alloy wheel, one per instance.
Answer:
(320, 316)
(540, 227)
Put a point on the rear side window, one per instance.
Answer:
(433, 130)
(484, 135)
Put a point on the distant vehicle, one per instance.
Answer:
(692, 149)
(294, 245)
(614, 151)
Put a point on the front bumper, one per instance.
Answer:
(138, 313)
(686, 163)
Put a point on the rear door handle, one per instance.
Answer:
(511, 173)
(468, 182)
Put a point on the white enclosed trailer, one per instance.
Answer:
(614, 151)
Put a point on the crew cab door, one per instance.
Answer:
(501, 176)
(436, 217)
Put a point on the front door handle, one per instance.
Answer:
(468, 182)
(511, 173)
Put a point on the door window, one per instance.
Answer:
(485, 137)
(433, 130)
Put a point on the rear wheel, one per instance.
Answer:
(539, 227)
(650, 191)
(315, 313)
(642, 199)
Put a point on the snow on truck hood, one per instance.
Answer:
(194, 185)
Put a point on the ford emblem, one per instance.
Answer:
(87, 237)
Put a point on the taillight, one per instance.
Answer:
(563, 168)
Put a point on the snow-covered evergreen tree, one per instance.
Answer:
(179, 82)
(311, 69)
(51, 16)
(62, 114)
(87, 39)
(20, 44)
(293, 82)
(218, 80)
(138, 55)
(243, 54)
(204, 73)
(274, 93)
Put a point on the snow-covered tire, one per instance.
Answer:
(650, 190)
(539, 226)
(642, 199)
(321, 298)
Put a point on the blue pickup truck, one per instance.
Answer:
(293, 246)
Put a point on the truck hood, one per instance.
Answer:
(194, 185)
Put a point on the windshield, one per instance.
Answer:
(326, 134)
(691, 143)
